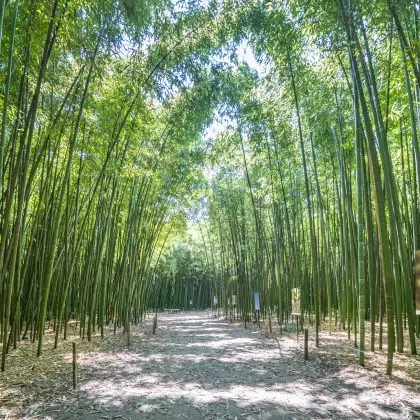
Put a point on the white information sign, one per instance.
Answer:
(257, 301)
(296, 301)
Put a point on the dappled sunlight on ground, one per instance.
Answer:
(198, 367)
(222, 343)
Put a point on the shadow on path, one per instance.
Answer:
(197, 367)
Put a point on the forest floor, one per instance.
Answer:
(199, 367)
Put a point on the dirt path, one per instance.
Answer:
(197, 367)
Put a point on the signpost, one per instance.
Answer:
(296, 301)
(215, 306)
(257, 306)
(257, 301)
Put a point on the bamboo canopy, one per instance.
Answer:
(159, 155)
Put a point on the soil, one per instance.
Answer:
(200, 367)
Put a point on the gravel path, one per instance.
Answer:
(197, 367)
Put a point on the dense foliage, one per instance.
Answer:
(310, 177)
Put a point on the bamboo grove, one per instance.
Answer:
(310, 179)
(315, 176)
(95, 158)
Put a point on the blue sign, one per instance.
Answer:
(257, 301)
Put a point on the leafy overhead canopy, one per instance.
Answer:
(156, 152)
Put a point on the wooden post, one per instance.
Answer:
(306, 352)
(297, 327)
(128, 334)
(74, 365)
(154, 324)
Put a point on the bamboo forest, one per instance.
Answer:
(209, 209)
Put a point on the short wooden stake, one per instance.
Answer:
(154, 324)
(306, 345)
(128, 331)
(74, 366)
